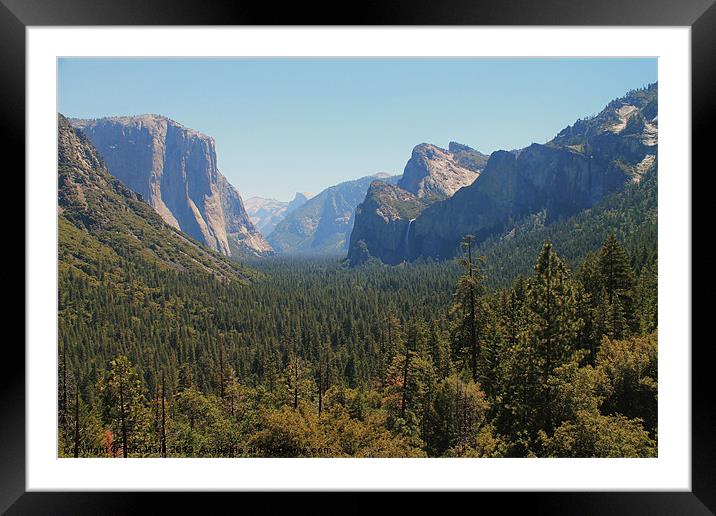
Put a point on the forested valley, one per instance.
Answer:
(539, 341)
(313, 358)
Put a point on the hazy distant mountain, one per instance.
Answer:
(323, 223)
(174, 169)
(580, 166)
(267, 213)
(299, 200)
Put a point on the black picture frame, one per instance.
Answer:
(700, 15)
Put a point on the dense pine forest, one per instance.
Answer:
(540, 343)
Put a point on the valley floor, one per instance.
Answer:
(317, 359)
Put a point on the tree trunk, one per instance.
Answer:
(157, 429)
(473, 335)
(320, 392)
(404, 401)
(63, 404)
(122, 417)
(221, 371)
(77, 422)
(164, 422)
(295, 385)
(473, 329)
(548, 353)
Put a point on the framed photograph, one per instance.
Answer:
(419, 248)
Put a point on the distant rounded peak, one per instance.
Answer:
(381, 175)
(303, 196)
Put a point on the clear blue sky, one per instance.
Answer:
(287, 125)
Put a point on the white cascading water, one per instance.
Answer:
(407, 240)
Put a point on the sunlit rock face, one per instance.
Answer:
(384, 220)
(435, 172)
(585, 162)
(174, 169)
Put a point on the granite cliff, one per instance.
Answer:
(437, 173)
(174, 169)
(103, 223)
(384, 219)
(585, 162)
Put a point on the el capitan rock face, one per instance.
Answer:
(101, 219)
(581, 165)
(174, 169)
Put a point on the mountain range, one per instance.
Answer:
(174, 169)
(441, 196)
(324, 224)
(585, 162)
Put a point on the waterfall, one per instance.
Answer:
(407, 240)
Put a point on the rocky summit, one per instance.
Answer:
(436, 173)
(383, 226)
(174, 169)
